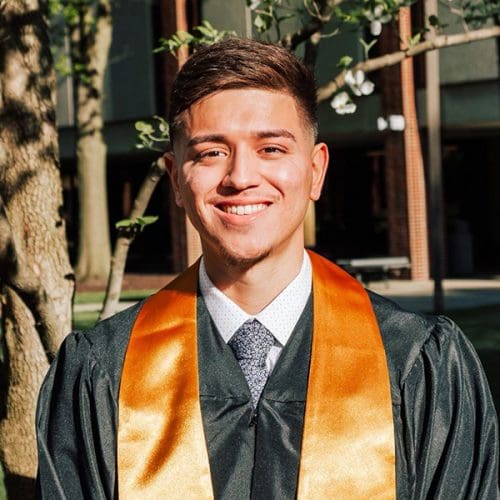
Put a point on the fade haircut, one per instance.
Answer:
(238, 63)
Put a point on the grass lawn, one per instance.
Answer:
(98, 297)
(482, 326)
(83, 320)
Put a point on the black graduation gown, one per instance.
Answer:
(253, 454)
(445, 423)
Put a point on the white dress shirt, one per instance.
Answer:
(279, 317)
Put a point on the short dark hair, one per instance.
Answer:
(241, 63)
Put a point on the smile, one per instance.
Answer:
(243, 209)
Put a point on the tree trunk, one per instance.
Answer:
(36, 278)
(90, 48)
(94, 247)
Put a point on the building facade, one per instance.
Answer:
(353, 218)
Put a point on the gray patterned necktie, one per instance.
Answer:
(251, 344)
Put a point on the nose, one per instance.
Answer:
(242, 171)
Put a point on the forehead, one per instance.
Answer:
(245, 110)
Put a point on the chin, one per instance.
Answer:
(243, 261)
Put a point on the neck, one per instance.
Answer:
(254, 288)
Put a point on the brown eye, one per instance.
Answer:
(213, 153)
(272, 150)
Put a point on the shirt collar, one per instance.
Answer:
(279, 317)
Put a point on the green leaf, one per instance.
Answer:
(414, 39)
(284, 17)
(207, 25)
(344, 62)
(137, 224)
(124, 223)
(185, 37)
(144, 127)
(261, 22)
(205, 31)
(146, 220)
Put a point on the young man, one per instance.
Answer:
(263, 371)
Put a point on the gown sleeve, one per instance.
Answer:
(449, 431)
(76, 426)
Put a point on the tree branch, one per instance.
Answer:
(442, 41)
(126, 237)
(292, 40)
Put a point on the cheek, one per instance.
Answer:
(200, 183)
(295, 179)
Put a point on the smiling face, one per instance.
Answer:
(245, 167)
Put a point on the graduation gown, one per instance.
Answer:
(444, 419)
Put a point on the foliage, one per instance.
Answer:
(66, 17)
(476, 12)
(327, 18)
(204, 34)
(135, 226)
(153, 135)
(318, 19)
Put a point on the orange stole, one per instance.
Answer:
(348, 441)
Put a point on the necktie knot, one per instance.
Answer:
(251, 344)
(252, 341)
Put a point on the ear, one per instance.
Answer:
(320, 158)
(173, 173)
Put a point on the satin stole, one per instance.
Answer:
(348, 446)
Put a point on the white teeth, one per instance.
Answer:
(243, 209)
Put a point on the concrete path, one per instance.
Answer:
(458, 293)
(94, 307)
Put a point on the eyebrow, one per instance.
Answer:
(263, 134)
(198, 139)
(281, 132)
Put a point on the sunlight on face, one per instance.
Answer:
(245, 170)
